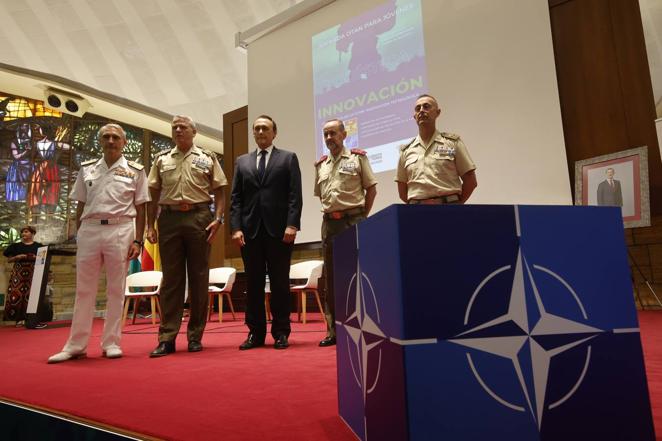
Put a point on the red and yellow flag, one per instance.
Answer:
(151, 258)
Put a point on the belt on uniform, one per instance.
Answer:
(109, 221)
(335, 215)
(447, 199)
(185, 207)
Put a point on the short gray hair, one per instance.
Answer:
(111, 125)
(186, 118)
(341, 125)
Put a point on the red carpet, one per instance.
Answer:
(219, 393)
(650, 323)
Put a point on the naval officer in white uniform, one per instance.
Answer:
(111, 193)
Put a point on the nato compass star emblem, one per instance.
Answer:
(363, 330)
(523, 344)
(364, 335)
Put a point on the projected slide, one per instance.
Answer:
(367, 72)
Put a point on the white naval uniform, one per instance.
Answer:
(110, 196)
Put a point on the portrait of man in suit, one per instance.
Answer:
(596, 184)
(609, 191)
(265, 215)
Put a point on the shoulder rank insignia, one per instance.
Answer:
(321, 160)
(451, 136)
(404, 147)
(88, 162)
(162, 152)
(135, 165)
(359, 152)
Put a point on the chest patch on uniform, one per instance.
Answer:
(348, 167)
(124, 173)
(445, 150)
(201, 163)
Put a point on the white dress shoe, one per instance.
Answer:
(112, 353)
(64, 356)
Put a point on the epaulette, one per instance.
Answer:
(88, 162)
(404, 147)
(208, 153)
(135, 165)
(451, 136)
(162, 152)
(359, 152)
(321, 160)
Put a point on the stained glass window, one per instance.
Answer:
(40, 154)
(86, 144)
(133, 150)
(41, 110)
(158, 144)
(47, 196)
(88, 147)
(12, 108)
(9, 236)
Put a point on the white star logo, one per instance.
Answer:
(364, 332)
(511, 346)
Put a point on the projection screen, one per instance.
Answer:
(490, 65)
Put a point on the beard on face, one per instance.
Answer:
(331, 145)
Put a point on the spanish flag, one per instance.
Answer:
(151, 259)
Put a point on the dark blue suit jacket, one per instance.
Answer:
(610, 196)
(275, 202)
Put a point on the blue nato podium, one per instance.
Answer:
(489, 323)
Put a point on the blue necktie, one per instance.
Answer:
(261, 166)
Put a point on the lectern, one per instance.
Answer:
(489, 323)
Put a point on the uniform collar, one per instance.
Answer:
(119, 163)
(194, 150)
(343, 154)
(436, 137)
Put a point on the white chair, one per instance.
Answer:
(218, 276)
(142, 280)
(311, 271)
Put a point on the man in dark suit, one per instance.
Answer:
(265, 216)
(609, 191)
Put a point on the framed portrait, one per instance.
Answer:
(618, 179)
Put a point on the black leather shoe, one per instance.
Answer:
(328, 341)
(164, 348)
(194, 346)
(252, 341)
(281, 342)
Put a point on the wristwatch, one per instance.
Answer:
(139, 243)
